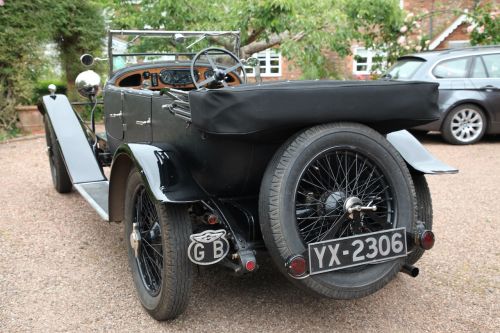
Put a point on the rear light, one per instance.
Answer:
(427, 240)
(212, 219)
(250, 265)
(296, 266)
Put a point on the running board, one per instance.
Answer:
(96, 193)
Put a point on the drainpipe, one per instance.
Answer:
(431, 21)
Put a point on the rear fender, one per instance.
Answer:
(416, 156)
(165, 176)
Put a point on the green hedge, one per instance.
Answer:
(41, 89)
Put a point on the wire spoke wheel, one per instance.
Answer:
(324, 188)
(157, 237)
(333, 181)
(150, 259)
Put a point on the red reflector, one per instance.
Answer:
(250, 265)
(212, 219)
(427, 240)
(297, 266)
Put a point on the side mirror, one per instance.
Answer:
(252, 62)
(88, 83)
(87, 60)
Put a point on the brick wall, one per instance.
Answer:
(459, 33)
(444, 13)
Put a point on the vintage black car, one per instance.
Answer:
(207, 168)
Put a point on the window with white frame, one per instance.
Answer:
(270, 63)
(364, 60)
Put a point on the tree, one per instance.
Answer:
(25, 27)
(303, 29)
(485, 27)
(79, 29)
(383, 27)
(19, 58)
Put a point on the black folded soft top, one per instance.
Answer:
(249, 109)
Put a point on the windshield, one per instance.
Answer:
(137, 47)
(405, 68)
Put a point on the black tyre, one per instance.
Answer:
(324, 166)
(161, 270)
(60, 178)
(424, 212)
(464, 125)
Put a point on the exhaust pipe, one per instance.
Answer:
(410, 270)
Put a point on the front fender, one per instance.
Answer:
(163, 173)
(417, 157)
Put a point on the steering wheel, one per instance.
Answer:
(219, 73)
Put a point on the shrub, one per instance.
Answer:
(41, 89)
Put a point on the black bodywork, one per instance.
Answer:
(233, 132)
(218, 153)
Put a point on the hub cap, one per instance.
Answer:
(466, 125)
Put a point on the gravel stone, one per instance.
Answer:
(63, 269)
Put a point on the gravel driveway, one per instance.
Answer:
(63, 269)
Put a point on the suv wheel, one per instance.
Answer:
(464, 125)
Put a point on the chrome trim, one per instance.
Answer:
(143, 122)
(171, 32)
(163, 33)
(114, 115)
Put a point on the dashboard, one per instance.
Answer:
(168, 77)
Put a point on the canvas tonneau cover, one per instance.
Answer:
(248, 109)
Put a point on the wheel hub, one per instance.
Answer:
(353, 206)
(351, 202)
(332, 201)
(135, 239)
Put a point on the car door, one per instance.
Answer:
(137, 115)
(486, 78)
(113, 115)
(454, 84)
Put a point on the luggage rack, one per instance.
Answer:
(180, 105)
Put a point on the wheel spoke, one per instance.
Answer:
(150, 260)
(326, 184)
(210, 61)
(231, 69)
(206, 81)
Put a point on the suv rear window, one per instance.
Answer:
(452, 69)
(405, 68)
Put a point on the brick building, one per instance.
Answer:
(444, 28)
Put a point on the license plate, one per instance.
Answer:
(340, 253)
